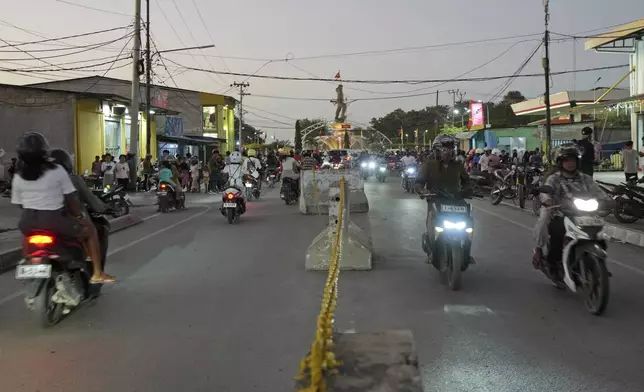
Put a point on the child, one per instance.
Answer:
(122, 171)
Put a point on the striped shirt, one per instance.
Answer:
(308, 163)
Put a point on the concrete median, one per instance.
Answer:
(315, 187)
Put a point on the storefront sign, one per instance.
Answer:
(159, 99)
(476, 121)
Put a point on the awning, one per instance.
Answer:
(188, 140)
(465, 135)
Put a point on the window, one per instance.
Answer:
(113, 137)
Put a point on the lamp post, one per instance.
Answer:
(594, 96)
(425, 136)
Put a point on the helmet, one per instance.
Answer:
(32, 146)
(568, 150)
(587, 131)
(444, 146)
(62, 158)
(479, 151)
(496, 151)
(235, 157)
(251, 153)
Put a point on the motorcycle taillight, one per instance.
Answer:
(40, 240)
(230, 196)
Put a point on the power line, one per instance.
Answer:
(83, 50)
(68, 37)
(93, 8)
(212, 41)
(58, 68)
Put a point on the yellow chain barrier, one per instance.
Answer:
(320, 359)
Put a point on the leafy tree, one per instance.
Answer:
(249, 132)
(298, 136)
(305, 123)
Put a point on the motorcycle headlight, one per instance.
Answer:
(448, 225)
(589, 205)
(363, 164)
(411, 170)
(382, 169)
(372, 165)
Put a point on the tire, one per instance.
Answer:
(619, 214)
(47, 312)
(496, 199)
(522, 196)
(163, 205)
(123, 206)
(230, 215)
(454, 267)
(597, 272)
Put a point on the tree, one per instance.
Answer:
(306, 123)
(298, 136)
(249, 132)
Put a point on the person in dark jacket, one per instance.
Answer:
(587, 164)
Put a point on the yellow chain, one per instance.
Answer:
(321, 359)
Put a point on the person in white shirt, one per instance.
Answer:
(122, 172)
(485, 160)
(107, 168)
(291, 170)
(630, 162)
(408, 159)
(49, 200)
(252, 166)
(234, 170)
(641, 154)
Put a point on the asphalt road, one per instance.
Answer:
(207, 306)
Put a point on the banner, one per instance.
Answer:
(477, 120)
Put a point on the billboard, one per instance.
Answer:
(477, 120)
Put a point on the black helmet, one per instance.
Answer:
(568, 150)
(587, 131)
(32, 146)
(444, 141)
(62, 158)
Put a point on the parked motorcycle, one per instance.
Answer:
(505, 186)
(409, 178)
(116, 198)
(233, 204)
(288, 192)
(452, 231)
(629, 203)
(56, 273)
(583, 262)
(167, 198)
(381, 173)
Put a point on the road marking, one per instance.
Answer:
(17, 294)
(151, 216)
(610, 260)
(468, 310)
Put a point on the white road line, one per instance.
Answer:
(467, 310)
(151, 216)
(610, 260)
(17, 294)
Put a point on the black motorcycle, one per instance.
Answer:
(505, 186)
(116, 198)
(629, 202)
(381, 173)
(289, 192)
(56, 272)
(167, 198)
(451, 228)
(409, 175)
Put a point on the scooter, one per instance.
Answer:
(251, 187)
(56, 273)
(381, 173)
(288, 192)
(233, 204)
(116, 199)
(167, 198)
(367, 169)
(409, 177)
(271, 177)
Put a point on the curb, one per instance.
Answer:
(10, 258)
(616, 233)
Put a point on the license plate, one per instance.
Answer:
(162, 193)
(458, 209)
(589, 221)
(33, 271)
(248, 185)
(411, 175)
(230, 205)
(272, 175)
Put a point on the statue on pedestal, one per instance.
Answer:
(341, 105)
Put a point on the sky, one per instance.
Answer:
(249, 33)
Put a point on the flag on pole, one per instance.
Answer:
(337, 75)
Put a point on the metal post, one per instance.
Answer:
(546, 68)
(134, 110)
(148, 80)
(242, 93)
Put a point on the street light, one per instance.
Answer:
(456, 111)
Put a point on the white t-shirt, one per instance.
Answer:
(485, 159)
(287, 168)
(247, 164)
(122, 170)
(408, 160)
(46, 193)
(108, 167)
(642, 159)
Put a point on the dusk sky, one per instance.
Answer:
(259, 30)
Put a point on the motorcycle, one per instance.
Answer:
(118, 201)
(583, 262)
(409, 177)
(505, 186)
(381, 173)
(233, 204)
(367, 169)
(56, 273)
(452, 231)
(629, 202)
(251, 187)
(288, 192)
(167, 198)
(271, 177)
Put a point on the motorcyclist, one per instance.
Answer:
(443, 173)
(234, 170)
(408, 159)
(87, 198)
(587, 164)
(272, 163)
(565, 178)
(49, 200)
(252, 166)
(291, 169)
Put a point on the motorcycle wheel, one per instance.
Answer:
(120, 207)
(595, 284)
(454, 267)
(522, 196)
(536, 205)
(48, 313)
(620, 215)
(496, 196)
(163, 205)
(230, 215)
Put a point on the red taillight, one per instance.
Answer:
(230, 196)
(40, 240)
(163, 186)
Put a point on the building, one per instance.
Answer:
(90, 116)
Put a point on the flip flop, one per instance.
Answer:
(104, 279)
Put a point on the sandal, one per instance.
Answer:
(103, 279)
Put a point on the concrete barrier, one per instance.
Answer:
(315, 185)
(355, 245)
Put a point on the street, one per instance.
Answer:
(205, 306)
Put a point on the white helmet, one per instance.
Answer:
(479, 151)
(236, 157)
(496, 151)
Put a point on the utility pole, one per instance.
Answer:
(546, 69)
(136, 72)
(242, 86)
(148, 80)
(453, 92)
(436, 98)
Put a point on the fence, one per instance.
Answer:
(320, 359)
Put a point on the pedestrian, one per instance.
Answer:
(107, 169)
(641, 155)
(122, 172)
(194, 175)
(165, 155)
(630, 162)
(227, 160)
(147, 170)
(205, 172)
(308, 162)
(588, 151)
(215, 164)
(96, 166)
